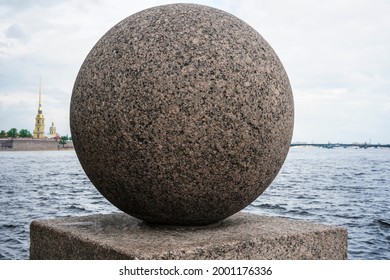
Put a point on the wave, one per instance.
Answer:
(269, 206)
(8, 226)
(77, 207)
(384, 222)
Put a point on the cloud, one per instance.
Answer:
(327, 47)
(16, 31)
(15, 6)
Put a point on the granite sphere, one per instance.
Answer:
(181, 114)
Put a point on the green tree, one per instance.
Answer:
(3, 134)
(64, 140)
(24, 133)
(13, 132)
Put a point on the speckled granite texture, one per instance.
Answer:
(181, 114)
(241, 236)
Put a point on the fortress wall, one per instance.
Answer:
(33, 145)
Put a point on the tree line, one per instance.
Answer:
(14, 133)
(24, 133)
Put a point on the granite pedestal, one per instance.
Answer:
(241, 236)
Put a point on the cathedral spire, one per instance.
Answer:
(40, 97)
(39, 131)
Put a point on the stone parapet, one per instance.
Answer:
(242, 236)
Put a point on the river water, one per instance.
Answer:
(345, 187)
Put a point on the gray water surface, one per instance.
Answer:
(343, 187)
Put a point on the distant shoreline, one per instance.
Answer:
(13, 145)
(340, 145)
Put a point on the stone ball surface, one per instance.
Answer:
(181, 114)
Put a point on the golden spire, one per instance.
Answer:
(40, 97)
(39, 131)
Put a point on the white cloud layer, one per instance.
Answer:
(336, 53)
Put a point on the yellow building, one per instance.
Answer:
(39, 131)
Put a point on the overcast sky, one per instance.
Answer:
(336, 54)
